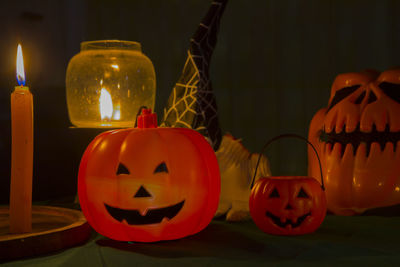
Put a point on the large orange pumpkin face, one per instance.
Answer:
(149, 184)
(357, 137)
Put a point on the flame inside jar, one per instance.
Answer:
(105, 105)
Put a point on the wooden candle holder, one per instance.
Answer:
(53, 229)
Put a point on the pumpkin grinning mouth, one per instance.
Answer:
(276, 220)
(357, 137)
(133, 217)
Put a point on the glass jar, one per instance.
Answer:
(107, 83)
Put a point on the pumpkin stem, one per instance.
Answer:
(147, 119)
(284, 136)
(138, 114)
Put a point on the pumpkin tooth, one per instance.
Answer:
(396, 146)
(394, 122)
(394, 128)
(355, 148)
(165, 219)
(330, 121)
(389, 150)
(374, 151)
(340, 125)
(366, 124)
(327, 128)
(361, 151)
(381, 122)
(348, 152)
(328, 148)
(352, 123)
(337, 150)
(143, 212)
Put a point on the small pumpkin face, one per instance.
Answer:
(287, 205)
(357, 137)
(149, 184)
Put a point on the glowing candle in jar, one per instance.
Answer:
(105, 105)
(21, 153)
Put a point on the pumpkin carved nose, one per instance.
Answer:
(288, 207)
(371, 97)
(142, 192)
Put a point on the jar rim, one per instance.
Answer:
(110, 44)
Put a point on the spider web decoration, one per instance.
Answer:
(192, 102)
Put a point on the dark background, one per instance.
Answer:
(271, 71)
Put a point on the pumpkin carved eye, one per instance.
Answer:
(122, 169)
(162, 167)
(274, 194)
(341, 94)
(302, 194)
(392, 90)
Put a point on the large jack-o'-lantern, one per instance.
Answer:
(357, 136)
(148, 184)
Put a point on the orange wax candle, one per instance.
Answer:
(21, 153)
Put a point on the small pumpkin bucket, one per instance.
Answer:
(287, 205)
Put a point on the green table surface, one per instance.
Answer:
(359, 240)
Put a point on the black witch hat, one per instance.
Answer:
(192, 102)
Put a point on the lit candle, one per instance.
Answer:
(21, 153)
(105, 105)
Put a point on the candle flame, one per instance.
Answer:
(20, 67)
(106, 105)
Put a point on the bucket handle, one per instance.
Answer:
(284, 136)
